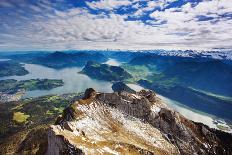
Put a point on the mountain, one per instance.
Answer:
(193, 98)
(107, 123)
(105, 72)
(62, 59)
(214, 75)
(11, 68)
(200, 73)
(216, 54)
(126, 123)
(23, 56)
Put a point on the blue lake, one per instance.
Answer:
(75, 82)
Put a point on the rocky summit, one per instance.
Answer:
(131, 123)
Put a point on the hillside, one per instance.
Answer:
(115, 123)
(105, 72)
(24, 123)
(202, 101)
(11, 68)
(200, 73)
(139, 123)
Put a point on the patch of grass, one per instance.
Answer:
(53, 98)
(49, 112)
(18, 107)
(59, 110)
(149, 73)
(161, 80)
(20, 117)
(32, 112)
(137, 71)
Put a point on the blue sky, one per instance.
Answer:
(115, 24)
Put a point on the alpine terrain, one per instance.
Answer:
(130, 123)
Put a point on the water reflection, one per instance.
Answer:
(113, 62)
(4, 59)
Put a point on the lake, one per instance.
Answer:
(4, 59)
(75, 82)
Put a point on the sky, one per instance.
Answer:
(115, 24)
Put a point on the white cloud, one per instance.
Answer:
(204, 34)
(150, 6)
(77, 28)
(108, 4)
(6, 4)
(158, 3)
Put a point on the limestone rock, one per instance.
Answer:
(138, 122)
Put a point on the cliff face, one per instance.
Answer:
(125, 123)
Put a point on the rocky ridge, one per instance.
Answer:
(127, 123)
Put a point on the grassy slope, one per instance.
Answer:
(12, 86)
(20, 117)
(138, 72)
(14, 120)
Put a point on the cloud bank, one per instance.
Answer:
(115, 24)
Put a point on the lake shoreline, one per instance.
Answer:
(74, 82)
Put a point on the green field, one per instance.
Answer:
(29, 113)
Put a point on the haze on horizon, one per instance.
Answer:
(115, 24)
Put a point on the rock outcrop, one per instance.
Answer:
(131, 123)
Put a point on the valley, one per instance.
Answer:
(42, 88)
(115, 77)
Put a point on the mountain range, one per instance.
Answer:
(131, 123)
